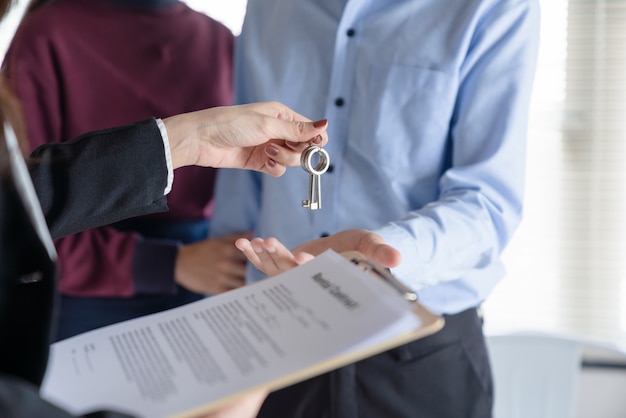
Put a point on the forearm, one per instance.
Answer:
(446, 240)
(101, 177)
(481, 193)
(116, 263)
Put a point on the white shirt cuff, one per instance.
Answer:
(168, 156)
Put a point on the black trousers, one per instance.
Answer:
(445, 375)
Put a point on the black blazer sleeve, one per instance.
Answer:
(101, 177)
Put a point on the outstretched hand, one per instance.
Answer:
(271, 257)
(264, 137)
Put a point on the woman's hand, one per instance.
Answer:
(264, 137)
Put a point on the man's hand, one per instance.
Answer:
(272, 257)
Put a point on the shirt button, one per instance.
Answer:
(350, 32)
(339, 102)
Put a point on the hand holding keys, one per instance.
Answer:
(315, 171)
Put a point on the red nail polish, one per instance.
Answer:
(272, 150)
(320, 123)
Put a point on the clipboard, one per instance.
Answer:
(72, 391)
(431, 323)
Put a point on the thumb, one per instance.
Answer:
(374, 246)
(386, 255)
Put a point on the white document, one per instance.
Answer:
(316, 317)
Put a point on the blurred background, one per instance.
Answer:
(566, 266)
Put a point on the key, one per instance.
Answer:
(315, 171)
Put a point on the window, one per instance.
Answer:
(9, 24)
(567, 263)
(230, 13)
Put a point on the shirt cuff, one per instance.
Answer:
(168, 156)
(153, 266)
(411, 271)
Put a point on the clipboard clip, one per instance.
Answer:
(371, 266)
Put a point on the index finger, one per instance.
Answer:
(298, 129)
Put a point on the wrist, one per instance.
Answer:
(180, 138)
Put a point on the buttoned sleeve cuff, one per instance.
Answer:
(168, 156)
(153, 266)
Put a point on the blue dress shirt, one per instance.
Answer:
(427, 103)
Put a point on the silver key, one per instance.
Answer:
(323, 162)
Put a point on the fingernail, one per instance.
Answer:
(271, 163)
(270, 249)
(272, 150)
(257, 250)
(317, 139)
(320, 123)
(292, 144)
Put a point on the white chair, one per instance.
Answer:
(535, 375)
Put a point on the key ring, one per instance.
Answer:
(314, 201)
(306, 160)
